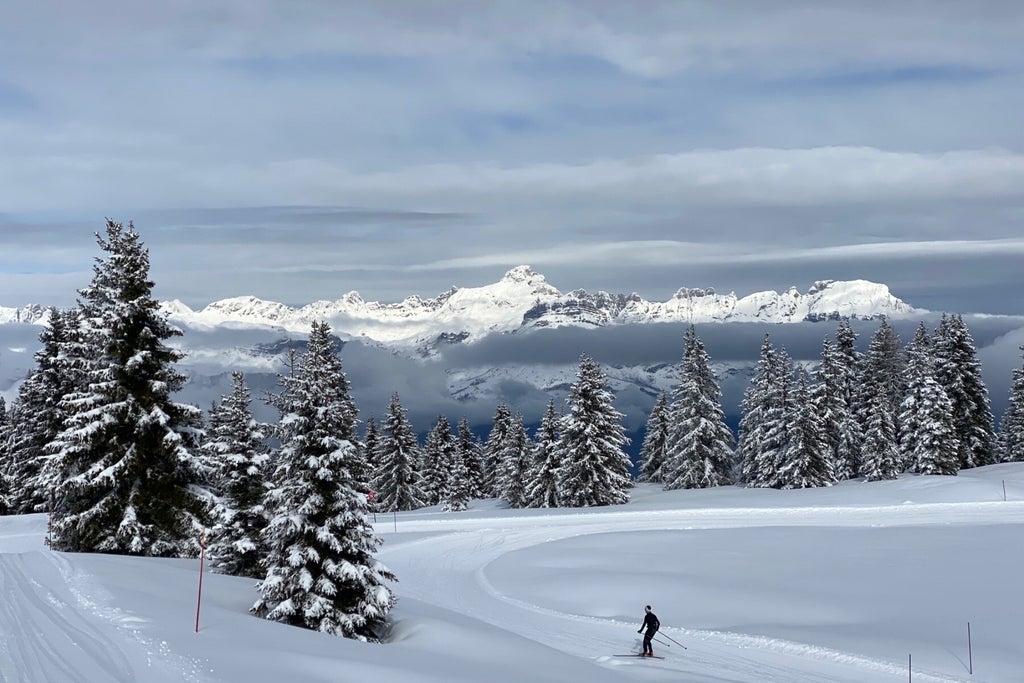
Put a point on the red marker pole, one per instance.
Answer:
(202, 557)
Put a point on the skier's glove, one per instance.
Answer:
(640, 631)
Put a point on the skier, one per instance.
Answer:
(652, 625)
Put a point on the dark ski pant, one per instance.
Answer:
(648, 634)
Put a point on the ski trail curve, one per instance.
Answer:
(450, 570)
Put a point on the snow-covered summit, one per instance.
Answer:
(523, 299)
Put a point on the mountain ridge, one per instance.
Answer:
(523, 300)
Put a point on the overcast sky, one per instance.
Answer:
(300, 150)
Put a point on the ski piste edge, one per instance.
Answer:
(640, 656)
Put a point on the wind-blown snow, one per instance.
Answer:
(835, 584)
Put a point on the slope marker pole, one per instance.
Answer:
(970, 653)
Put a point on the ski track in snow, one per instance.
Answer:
(74, 635)
(450, 570)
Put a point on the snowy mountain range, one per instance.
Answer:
(523, 300)
(535, 324)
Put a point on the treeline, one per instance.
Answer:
(922, 408)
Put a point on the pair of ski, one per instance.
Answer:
(640, 654)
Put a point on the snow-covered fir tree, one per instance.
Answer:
(880, 457)
(764, 427)
(434, 467)
(396, 483)
(542, 483)
(514, 464)
(126, 454)
(321, 572)
(848, 362)
(927, 435)
(652, 450)
(369, 445)
(494, 449)
(806, 459)
(458, 486)
(882, 373)
(699, 449)
(471, 452)
(838, 422)
(595, 468)
(439, 450)
(958, 371)
(234, 446)
(1011, 427)
(36, 417)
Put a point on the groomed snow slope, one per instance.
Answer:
(836, 585)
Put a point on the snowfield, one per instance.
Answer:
(837, 584)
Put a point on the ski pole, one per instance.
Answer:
(674, 640)
(662, 642)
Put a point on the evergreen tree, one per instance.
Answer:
(542, 486)
(838, 423)
(514, 465)
(699, 447)
(36, 418)
(882, 373)
(371, 440)
(1011, 427)
(434, 466)
(458, 486)
(397, 485)
(321, 571)
(927, 441)
(767, 406)
(472, 457)
(126, 457)
(494, 449)
(806, 460)
(653, 448)
(848, 363)
(595, 469)
(234, 445)
(958, 371)
(881, 458)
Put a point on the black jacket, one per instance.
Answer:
(651, 622)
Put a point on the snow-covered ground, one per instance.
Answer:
(760, 586)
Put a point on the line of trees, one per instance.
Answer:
(923, 408)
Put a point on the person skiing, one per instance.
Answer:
(652, 625)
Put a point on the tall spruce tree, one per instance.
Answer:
(494, 449)
(36, 418)
(595, 469)
(321, 570)
(958, 371)
(458, 486)
(882, 373)
(126, 459)
(927, 435)
(699, 450)
(371, 439)
(514, 465)
(653, 448)
(1011, 427)
(542, 485)
(434, 465)
(851, 434)
(234, 446)
(838, 422)
(880, 455)
(398, 454)
(471, 452)
(806, 461)
(767, 406)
